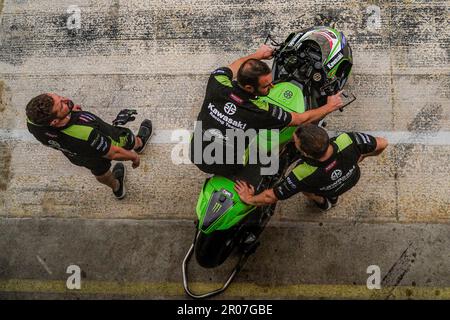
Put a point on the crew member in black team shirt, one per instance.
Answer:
(85, 139)
(329, 167)
(233, 105)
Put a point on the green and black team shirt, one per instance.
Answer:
(332, 177)
(228, 106)
(85, 137)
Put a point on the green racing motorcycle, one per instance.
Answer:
(308, 66)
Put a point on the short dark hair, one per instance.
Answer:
(314, 140)
(40, 109)
(250, 71)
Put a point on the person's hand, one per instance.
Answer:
(335, 102)
(264, 52)
(136, 162)
(77, 108)
(245, 191)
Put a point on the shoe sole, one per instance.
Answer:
(334, 204)
(146, 142)
(124, 191)
(324, 210)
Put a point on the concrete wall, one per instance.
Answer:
(155, 56)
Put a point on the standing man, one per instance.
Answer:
(327, 170)
(85, 139)
(233, 105)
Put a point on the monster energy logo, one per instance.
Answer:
(217, 207)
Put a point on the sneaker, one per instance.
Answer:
(325, 206)
(119, 174)
(333, 200)
(144, 133)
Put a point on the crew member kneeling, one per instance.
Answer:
(328, 167)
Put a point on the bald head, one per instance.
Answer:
(250, 72)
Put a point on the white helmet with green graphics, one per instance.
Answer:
(318, 57)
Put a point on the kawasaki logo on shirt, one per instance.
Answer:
(224, 119)
(341, 179)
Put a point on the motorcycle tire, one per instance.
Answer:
(211, 250)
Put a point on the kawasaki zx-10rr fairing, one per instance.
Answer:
(309, 66)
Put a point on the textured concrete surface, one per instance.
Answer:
(138, 259)
(155, 56)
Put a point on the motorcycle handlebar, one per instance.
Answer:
(349, 98)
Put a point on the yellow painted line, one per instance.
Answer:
(235, 290)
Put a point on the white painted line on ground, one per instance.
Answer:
(175, 136)
(407, 137)
(44, 265)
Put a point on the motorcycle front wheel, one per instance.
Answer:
(211, 250)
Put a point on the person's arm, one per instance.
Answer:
(121, 154)
(99, 145)
(333, 104)
(247, 195)
(264, 52)
(382, 143)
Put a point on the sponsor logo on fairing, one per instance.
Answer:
(288, 94)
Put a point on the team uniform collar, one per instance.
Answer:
(317, 163)
(241, 93)
(74, 115)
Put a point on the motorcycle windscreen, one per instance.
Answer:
(326, 38)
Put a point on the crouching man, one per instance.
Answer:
(329, 167)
